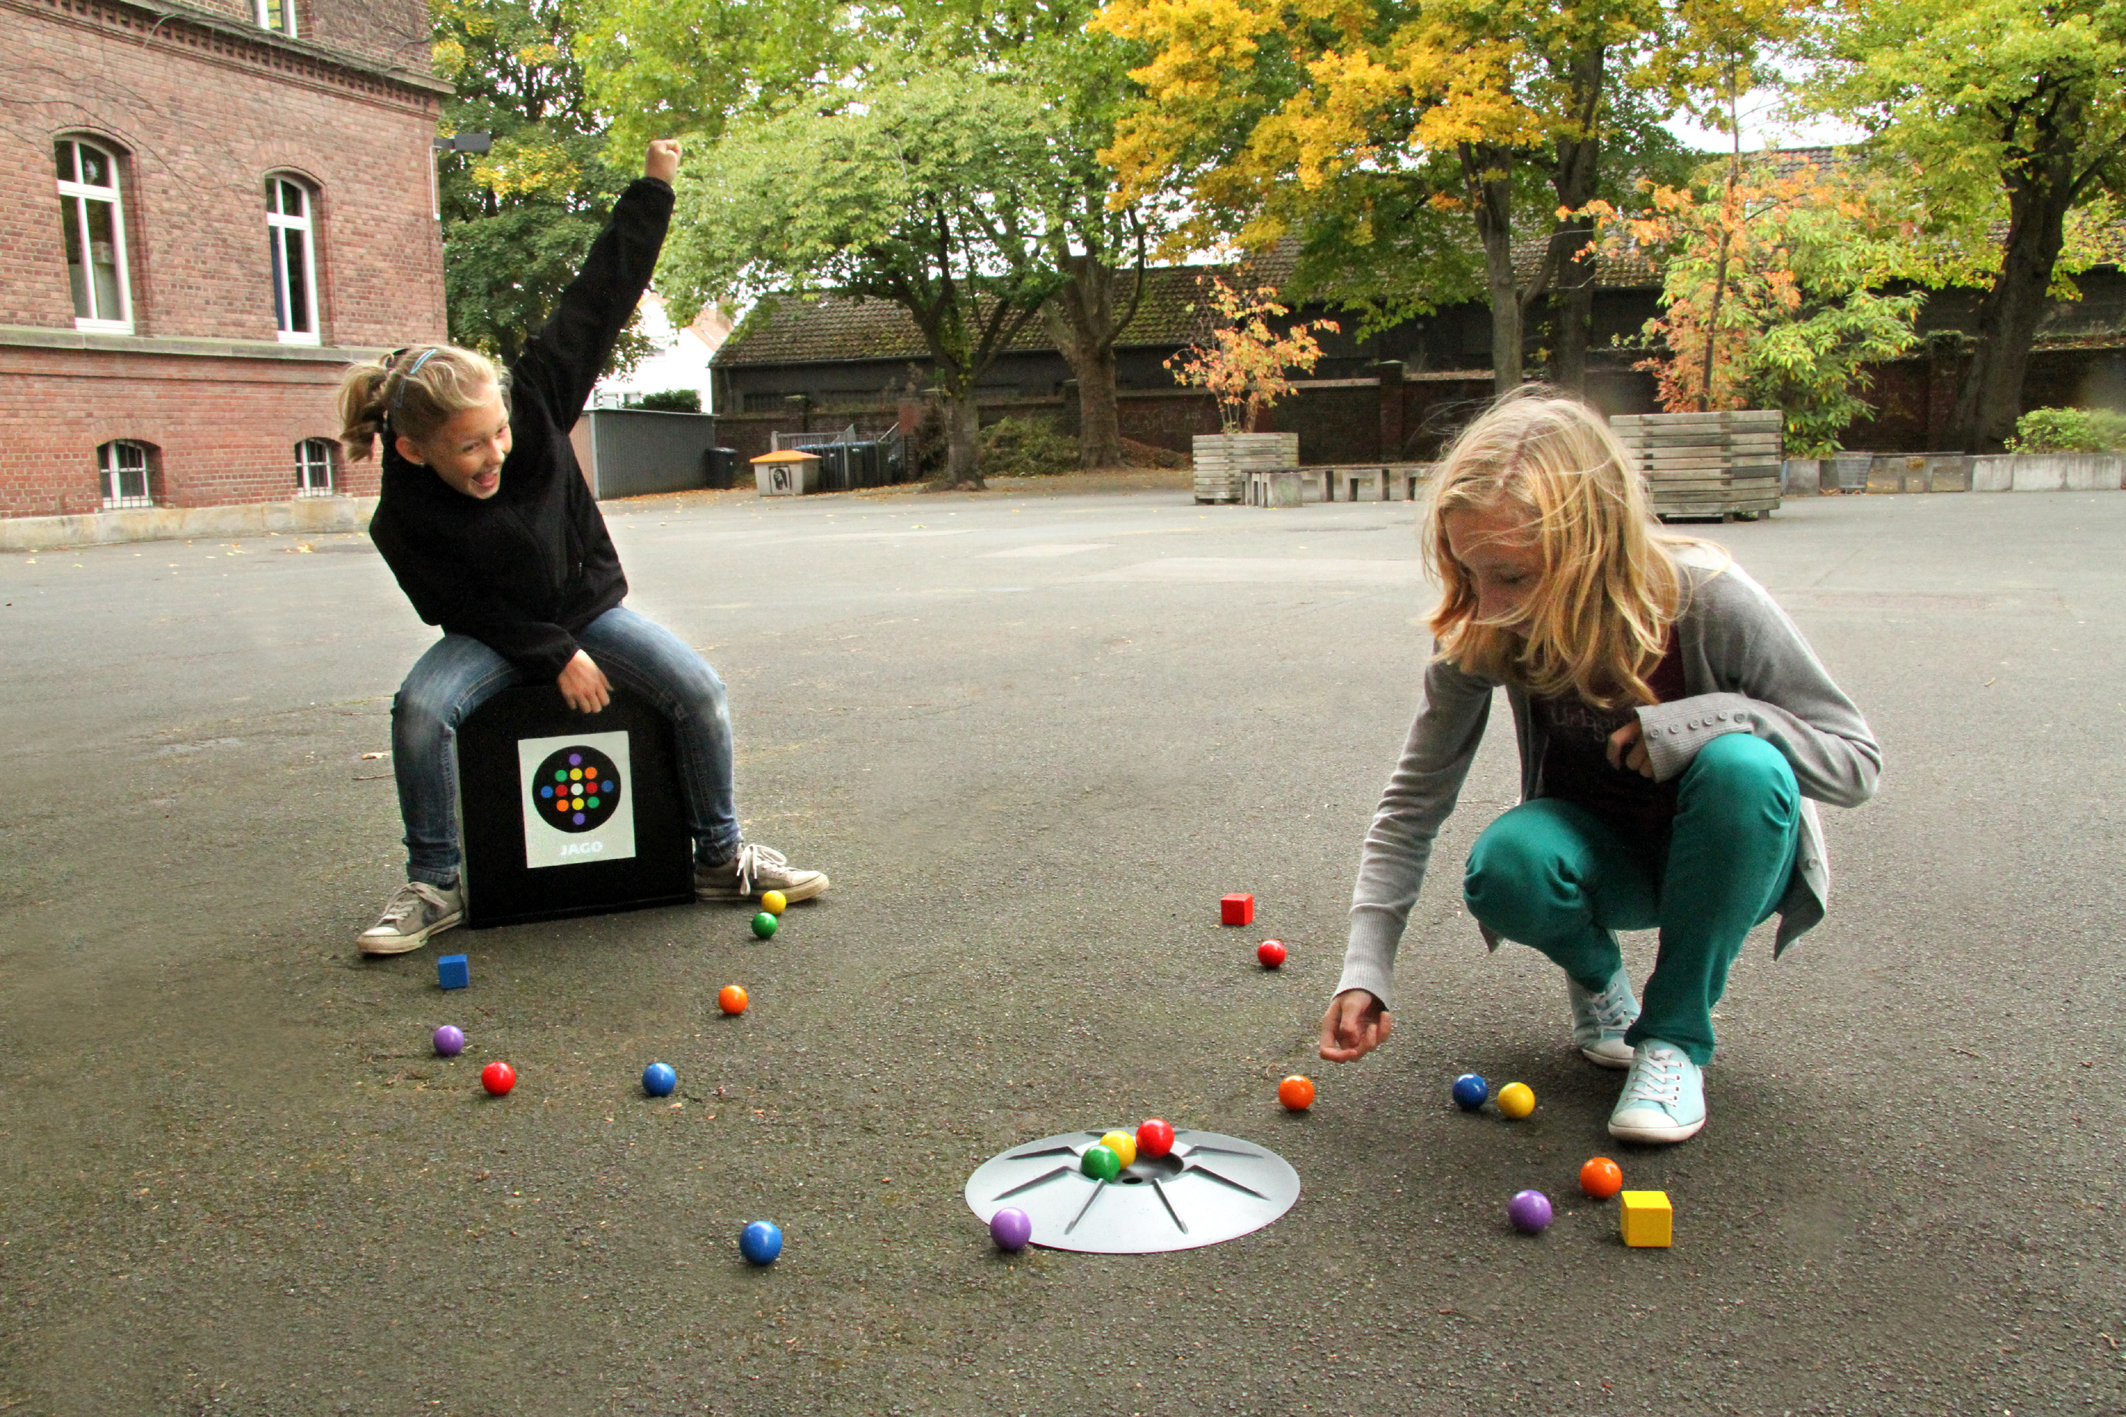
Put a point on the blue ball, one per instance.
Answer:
(1470, 1092)
(658, 1079)
(760, 1243)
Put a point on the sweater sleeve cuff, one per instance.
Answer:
(1369, 959)
(1674, 732)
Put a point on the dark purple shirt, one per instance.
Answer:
(1576, 758)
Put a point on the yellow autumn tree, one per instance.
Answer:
(1258, 110)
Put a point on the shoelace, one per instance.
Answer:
(751, 860)
(1655, 1077)
(409, 899)
(1610, 1009)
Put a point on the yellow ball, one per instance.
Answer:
(1516, 1099)
(1123, 1145)
(773, 902)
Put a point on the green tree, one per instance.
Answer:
(1997, 122)
(699, 65)
(518, 219)
(923, 186)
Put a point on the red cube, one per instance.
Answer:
(1236, 910)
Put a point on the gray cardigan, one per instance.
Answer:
(1747, 670)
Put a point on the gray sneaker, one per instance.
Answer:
(753, 871)
(414, 912)
(1600, 1021)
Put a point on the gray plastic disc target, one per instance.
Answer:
(1207, 1189)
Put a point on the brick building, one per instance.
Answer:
(207, 210)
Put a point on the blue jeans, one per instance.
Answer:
(1552, 875)
(459, 673)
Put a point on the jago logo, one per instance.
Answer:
(576, 804)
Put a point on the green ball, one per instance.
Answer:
(764, 924)
(1100, 1163)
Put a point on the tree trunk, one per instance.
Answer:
(963, 440)
(1082, 320)
(1491, 186)
(1578, 171)
(1099, 412)
(2040, 193)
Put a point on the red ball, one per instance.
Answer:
(1296, 1092)
(1271, 953)
(1601, 1178)
(1154, 1138)
(498, 1078)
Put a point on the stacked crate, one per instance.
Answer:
(1721, 465)
(1224, 460)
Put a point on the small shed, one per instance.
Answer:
(787, 473)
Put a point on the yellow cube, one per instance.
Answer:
(1648, 1219)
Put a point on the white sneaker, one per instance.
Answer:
(753, 871)
(414, 912)
(1600, 1021)
(1663, 1098)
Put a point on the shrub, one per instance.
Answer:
(2069, 430)
(1026, 447)
(669, 401)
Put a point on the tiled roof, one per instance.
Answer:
(828, 328)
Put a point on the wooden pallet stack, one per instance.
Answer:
(1224, 460)
(1721, 465)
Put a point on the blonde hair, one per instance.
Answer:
(413, 392)
(1597, 622)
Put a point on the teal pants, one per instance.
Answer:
(1552, 875)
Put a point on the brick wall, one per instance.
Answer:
(199, 115)
(225, 429)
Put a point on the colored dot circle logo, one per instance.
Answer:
(578, 789)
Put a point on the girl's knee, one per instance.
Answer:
(1739, 767)
(699, 689)
(419, 713)
(1510, 869)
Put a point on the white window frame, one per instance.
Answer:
(264, 9)
(74, 197)
(312, 456)
(280, 226)
(109, 467)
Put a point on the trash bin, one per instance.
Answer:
(719, 468)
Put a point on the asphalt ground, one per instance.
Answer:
(1033, 738)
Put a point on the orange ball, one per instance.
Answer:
(1296, 1092)
(732, 999)
(1601, 1178)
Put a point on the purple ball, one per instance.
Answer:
(1011, 1228)
(450, 1040)
(1529, 1211)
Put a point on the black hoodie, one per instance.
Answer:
(524, 571)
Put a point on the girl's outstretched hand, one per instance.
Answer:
(1354, 1026)
(663, 160)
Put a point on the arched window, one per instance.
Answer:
(127, 473)
(92, 214)
(289, 231)
(313, 467)
(276, 15)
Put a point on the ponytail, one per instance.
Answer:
(413, 392)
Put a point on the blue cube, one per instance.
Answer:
(453, 971)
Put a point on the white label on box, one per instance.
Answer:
(577, 799)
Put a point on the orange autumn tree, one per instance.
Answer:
(1245, 361)
(1770, 296)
